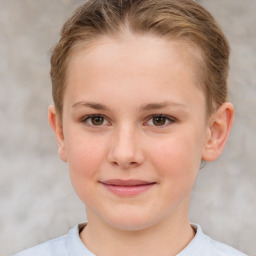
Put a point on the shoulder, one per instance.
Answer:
(55, 247)
(221, 249)
(216, 248)
(67, 245)
(206, 246)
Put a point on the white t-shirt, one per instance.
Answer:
(71, 245)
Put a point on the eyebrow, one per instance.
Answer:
(157, 106)
(146, 107)
(92, 105)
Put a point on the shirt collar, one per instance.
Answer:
(76, 247)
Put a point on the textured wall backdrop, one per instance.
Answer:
(37, 201)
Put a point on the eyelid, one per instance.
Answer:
(84, 119)
(170, 119)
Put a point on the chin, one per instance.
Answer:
(130, 222)
(130, 226)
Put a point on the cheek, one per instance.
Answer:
(85, 155)
(178, 157)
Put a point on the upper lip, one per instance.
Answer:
(128, 183)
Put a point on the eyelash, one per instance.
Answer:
(86, 119)
(167, 118)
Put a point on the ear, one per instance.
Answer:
(220, 124)
(57, 128)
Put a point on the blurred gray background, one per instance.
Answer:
(37, 201)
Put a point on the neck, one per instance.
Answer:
(167, 238)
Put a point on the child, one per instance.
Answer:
(140, 100)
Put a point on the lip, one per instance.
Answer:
(130, 187)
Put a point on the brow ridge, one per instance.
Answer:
(156, 106)
(146, 107)
(92, 105)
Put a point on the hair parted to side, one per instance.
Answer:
(181, 20)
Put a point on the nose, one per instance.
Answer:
(125, 150)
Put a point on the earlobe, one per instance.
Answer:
(219, 128)
(58, 131)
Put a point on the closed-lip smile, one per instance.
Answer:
(131, 187)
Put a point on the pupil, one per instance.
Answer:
(159, 120)
(97, 120)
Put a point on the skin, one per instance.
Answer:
(125, 81)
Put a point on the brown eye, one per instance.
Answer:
(97, 120)
(159, 120)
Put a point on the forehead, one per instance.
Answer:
(147, 64)
(128, 48)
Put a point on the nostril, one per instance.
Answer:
(129, 164)
(115, 163)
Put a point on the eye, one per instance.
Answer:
(160, 120)
(95, 120)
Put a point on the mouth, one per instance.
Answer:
(127, 187)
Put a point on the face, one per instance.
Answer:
(134, 130)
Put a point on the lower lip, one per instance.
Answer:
(128, 190)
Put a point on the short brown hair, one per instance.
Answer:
(182, 20)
